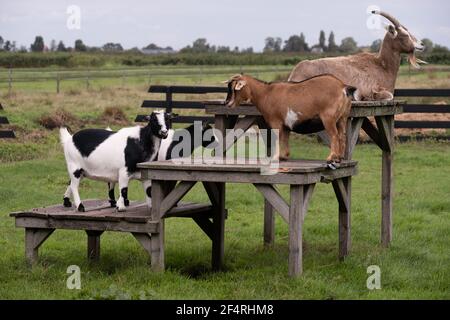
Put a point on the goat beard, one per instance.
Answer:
(414, 61)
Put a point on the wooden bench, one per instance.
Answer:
(39, 223)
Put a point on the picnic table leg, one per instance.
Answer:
(295, 230)
(157, 239)
(93, 245)
(34, 238)
(387, 179)
(342, 188)
(219, 229)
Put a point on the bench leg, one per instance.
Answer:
(157, 239)
(219, 229)
(269, 224)
(296, 230)
(34, 238)
(93, 245)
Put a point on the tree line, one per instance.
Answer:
(294, 44)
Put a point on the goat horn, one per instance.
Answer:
(235, 77)
(394, 21)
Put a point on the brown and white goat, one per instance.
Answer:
(304, 107)
(373, 74)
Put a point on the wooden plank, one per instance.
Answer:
(34, 238)
(353, 128)
(422, 124)
(181, 119)
(249, 177)
(190, 211)
(188, 89)
(341, 194)
(362, 111)
(50, 223)
(174, 104)
(422, 93)
(308, 190)
(243, 124)
(93, 245)
(275, 199)
(426, 108)
(296, 230)
(174, 196)
(218, 229)
(213, 192)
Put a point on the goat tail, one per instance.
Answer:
(352, 93)
(64, 135)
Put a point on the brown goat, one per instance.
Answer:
(372, 74)
(304, 107)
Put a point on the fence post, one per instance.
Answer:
(87, 80)
(9, 81)
(169, 103)
(57, 82)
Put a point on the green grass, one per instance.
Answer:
(415, 266)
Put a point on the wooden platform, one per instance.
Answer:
(39, 223)
(300, 175)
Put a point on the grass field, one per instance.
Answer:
(32, 173)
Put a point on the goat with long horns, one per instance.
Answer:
(373, 74)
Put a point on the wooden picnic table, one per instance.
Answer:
(382, 134)
(214, 173)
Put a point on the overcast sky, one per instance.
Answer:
(241, 23)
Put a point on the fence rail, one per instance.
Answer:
(169, 104)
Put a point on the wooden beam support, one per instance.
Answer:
(387, 182)
(353, 129)
(34, 238)
(145, 239)
(175, 195)
(296, 230)
(342, 188)
(383, 124)
(269, 224)
(157, 239)
(308, 190)
(93, 245)
(205, 224)
(218, 226)
(372, 132)
(275, 199)
(213, 192)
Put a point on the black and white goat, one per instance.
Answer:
(175, 146)
(112, 156)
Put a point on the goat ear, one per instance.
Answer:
(391, 29)
(240, 84)
(147, 118)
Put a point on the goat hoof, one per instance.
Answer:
(333, 165)
(121, 209)
(81, 208)
(112, 203)
(126, 202)
(67, 202)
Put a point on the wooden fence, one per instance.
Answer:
(169, 103)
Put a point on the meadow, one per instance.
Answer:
(33, 173)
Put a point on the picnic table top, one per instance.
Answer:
(359, 108)
(242, 165)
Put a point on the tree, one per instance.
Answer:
(7, 46)
(322, 40)
(296, 44)
(332, 46)
(273, 44)
(428, 45)
(223, 49)
(61, 47)
(38, 44)
(440, 49)
(112, 47)
(200, 45)
(375, 46)
(348, 45)
(53, 45)
(80, 46)
(1, 43)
